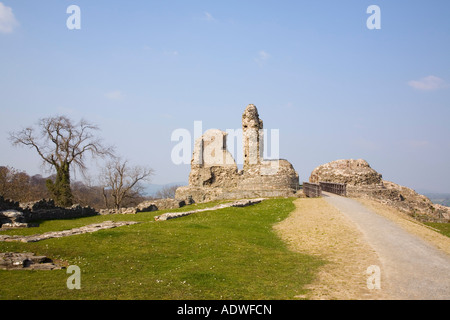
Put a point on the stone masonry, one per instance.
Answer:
(364, 182)
(215, 175)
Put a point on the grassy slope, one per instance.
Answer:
(231, 253)
(443, 228)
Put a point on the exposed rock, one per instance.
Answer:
(214, 173)
(26, 261)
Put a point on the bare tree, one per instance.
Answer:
(167, 192)
(19, 186)
(122, 182)
(62, 145)
(14, 184)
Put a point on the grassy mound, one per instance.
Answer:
(231, 253)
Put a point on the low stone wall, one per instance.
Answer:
(47, 210)
(6, 204)
(206, 194)
(14, 214)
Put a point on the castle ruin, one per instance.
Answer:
(214, 173)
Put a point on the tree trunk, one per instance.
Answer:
(105, 198)
(60, 189)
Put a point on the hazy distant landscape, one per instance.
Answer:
(151, 189)
(439, 198)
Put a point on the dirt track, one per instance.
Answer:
(352, 237)
(412, 268)
(319, 229)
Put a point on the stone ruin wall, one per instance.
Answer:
(215, 176)
(15, 214)
(364, 182)
(22, 215)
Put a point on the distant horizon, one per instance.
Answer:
(185, 183)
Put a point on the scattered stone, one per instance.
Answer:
(58, 234)
(6, 204)
(26, 261)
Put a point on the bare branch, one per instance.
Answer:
(123, 180)
(63, 142)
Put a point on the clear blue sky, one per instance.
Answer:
(141, 69)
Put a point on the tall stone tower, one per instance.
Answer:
(214, 172)
(252, 137)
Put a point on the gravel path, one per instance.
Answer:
(411, 268)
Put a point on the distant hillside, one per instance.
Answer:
(439, 198)
(152, 189)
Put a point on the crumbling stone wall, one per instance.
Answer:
(364, 182)
(212, 165)
(215, 175)
(15, 214)
(47, 210)
(351, 172)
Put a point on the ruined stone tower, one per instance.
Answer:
(252, 139)
(214, 173)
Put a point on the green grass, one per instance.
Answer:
(231, 253)
(443, 228)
